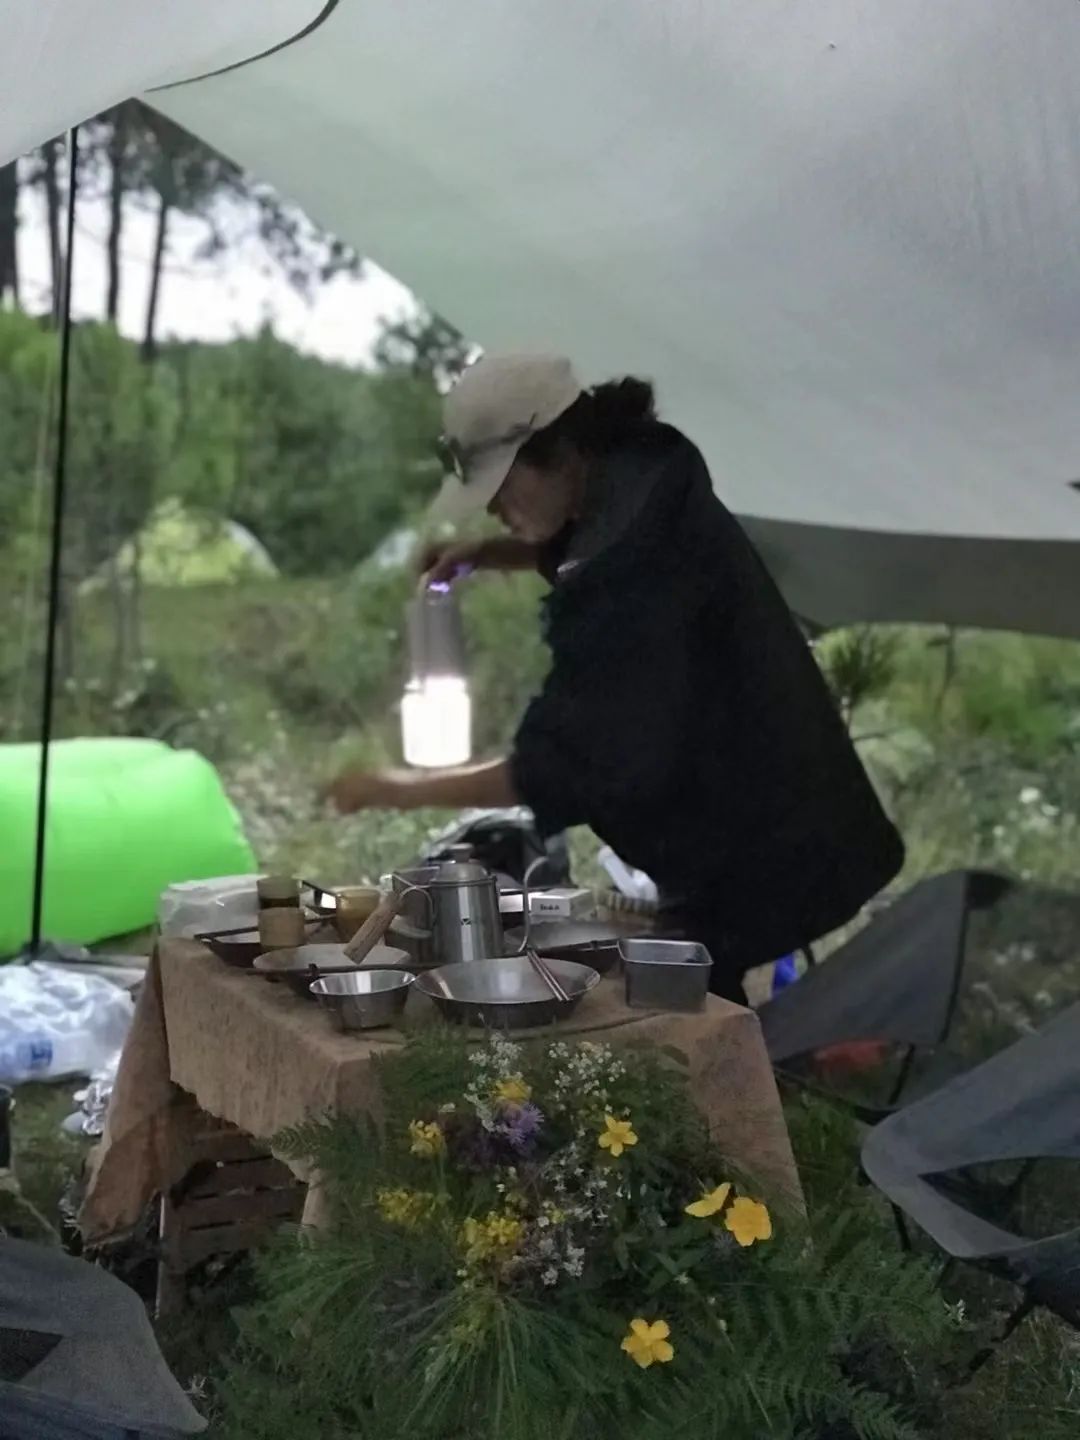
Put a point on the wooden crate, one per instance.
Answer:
(234, 1193)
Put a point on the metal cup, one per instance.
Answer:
(277, 890)
(281, 927)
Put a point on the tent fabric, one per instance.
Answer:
(841, 240)
(60, 62)
(1020, 1105)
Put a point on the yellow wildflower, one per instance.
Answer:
(617, 1136)
(748, 1220)
(495, 1237)
(513, 1090)
(408, 1208)
(647, 1344)
(427, 1139)
(711, 1203)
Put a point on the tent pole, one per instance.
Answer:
(56, 548)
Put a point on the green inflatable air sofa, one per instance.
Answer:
(126, 819)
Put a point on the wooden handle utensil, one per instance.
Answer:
(374, 927)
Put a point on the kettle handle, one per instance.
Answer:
(526, 908)
(406, 887)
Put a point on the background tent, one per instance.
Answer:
(178, 546)
(841, 238)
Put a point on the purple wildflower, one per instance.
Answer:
(519, 1125)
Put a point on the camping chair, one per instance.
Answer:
(1019, 1107)
(77, 1354)
(890, 993)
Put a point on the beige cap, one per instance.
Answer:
(497, 406)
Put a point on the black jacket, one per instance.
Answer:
(685, 720)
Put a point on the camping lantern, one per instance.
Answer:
(436, 711)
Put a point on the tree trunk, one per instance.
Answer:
(135, 597)
(50, 150)
(119, 636)
(117, 148)
(65, 650)
(9, 222)
(149, 344)
(948, 669)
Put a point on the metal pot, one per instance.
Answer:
(465, 923)
(666, 974)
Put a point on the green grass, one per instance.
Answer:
(1030, 1388)
(45, 1159)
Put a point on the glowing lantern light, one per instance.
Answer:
(436, 710)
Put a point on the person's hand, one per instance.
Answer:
(440, 561)
(356, 790)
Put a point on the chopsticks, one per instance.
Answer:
(550, 979)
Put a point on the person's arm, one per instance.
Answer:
(440, 562)
(487, 784)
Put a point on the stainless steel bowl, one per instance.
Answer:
(505, 994)
(363, 999)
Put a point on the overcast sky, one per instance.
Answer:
(215, 300)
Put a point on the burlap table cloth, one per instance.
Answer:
(262, 1058)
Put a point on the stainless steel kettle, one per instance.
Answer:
(463, 902)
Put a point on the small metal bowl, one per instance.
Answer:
(666, 974)
(505, 994)
(363, 999)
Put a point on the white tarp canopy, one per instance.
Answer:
(841, 237)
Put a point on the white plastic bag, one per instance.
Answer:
(634, 884)
(54, 1023)
(193, 906)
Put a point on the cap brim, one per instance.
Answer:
(457, 499)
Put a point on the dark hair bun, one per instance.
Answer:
(598, 421)
(624, 402)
